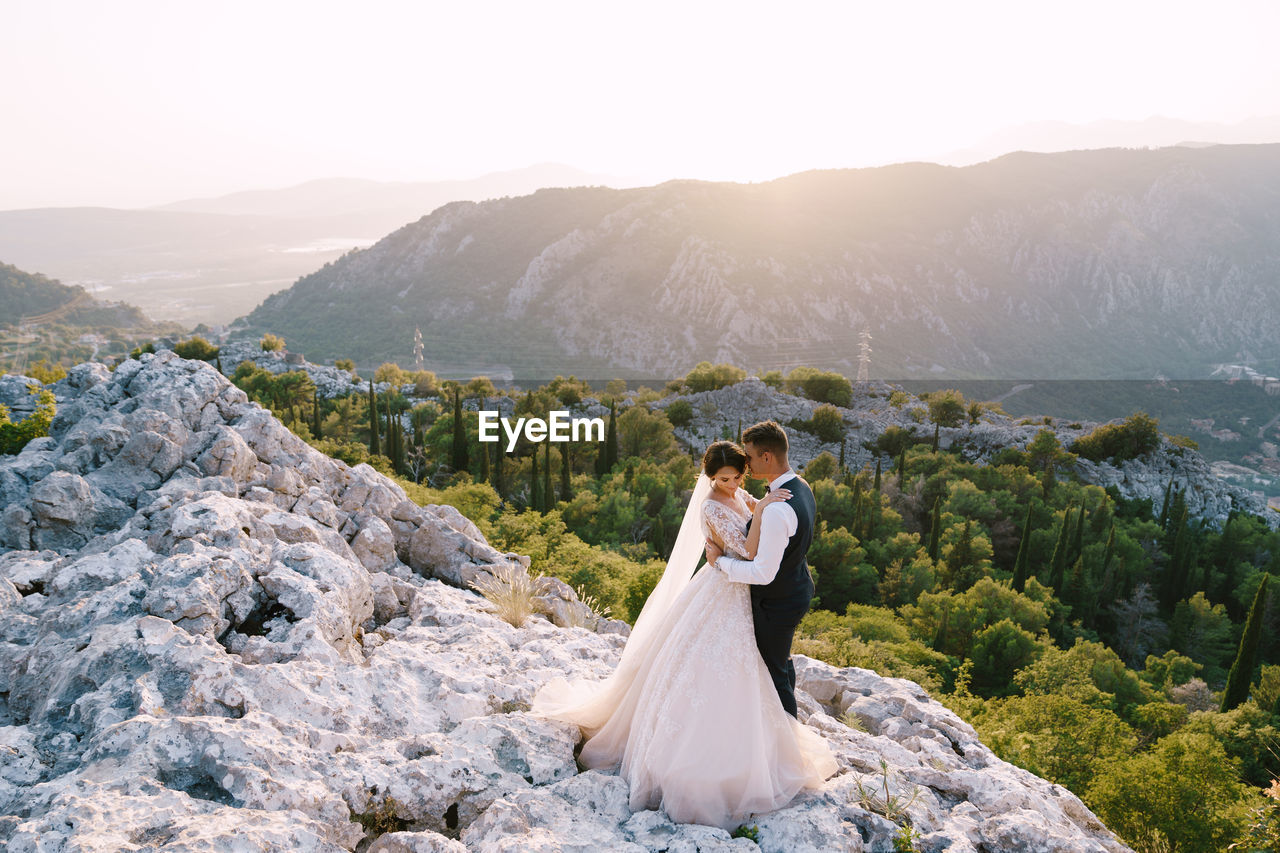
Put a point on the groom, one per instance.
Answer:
(781, 585)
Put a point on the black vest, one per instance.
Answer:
(793, 580)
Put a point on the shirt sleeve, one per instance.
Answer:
(777, 525)
(722, 525)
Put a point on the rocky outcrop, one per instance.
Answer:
(330, 381)
(214, 638)
(870, 414)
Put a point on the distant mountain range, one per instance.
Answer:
(1154, 132)
(1098, 264)
(212, 260)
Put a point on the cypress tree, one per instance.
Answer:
(935, 529)
(315, 415)
(1164, 507)
(940, 636)
(374, 447)
(660, 538)
(935, 437)
(499, 473)
(1073, 593)
(611, 438)
(843, 469)
(485, 472)
(218, 360)
(548, 496)
(565, 486)
(1111, 548)
(1047, 480)
(902, 465)
(1058, 563)
(389, 440)
(1024, 546)
(1179, 566)
(876, 485)
(1077, 541)
(459, 456)
(1238, 681)
(534, 501)
(961, 564)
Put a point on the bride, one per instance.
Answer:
(690, 717)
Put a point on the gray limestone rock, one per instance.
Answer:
(220, 647)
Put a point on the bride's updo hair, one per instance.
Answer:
(721, 454)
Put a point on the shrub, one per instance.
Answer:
(197, 348)
(272, 343)
(824, 466)
(392, 374)
(708, 377)
(1137, 436)
(14, 436)
(820, 386)
(680, 413)
(46, 373)
(773, 378)
(827, 423)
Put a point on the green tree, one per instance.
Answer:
(820, 386)
(197, 348)
(680, 412)
(270, 343)
(1056, 737)
(646, 434)
(393, 374)
(1020, 562)
(947, 407)
(14, 436)
(998, 652)
(708, 377)
(375, 447)
(459, 460)
(841, 575)
(1241, 674)
(1186, 788)
(1203, 632)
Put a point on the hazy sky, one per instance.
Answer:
(136, 102)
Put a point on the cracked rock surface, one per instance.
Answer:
(215, 638)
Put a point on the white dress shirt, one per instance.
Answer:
(778, 523)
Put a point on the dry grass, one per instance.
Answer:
(590, 616)
(512, 591)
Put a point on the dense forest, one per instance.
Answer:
(1124, 650)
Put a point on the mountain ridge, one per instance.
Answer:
(1027, 266)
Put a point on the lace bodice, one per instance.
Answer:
(728, 524)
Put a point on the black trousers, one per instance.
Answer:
(775, 623)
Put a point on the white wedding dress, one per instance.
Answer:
(690, 716)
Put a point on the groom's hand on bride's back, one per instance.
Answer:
(713, 552)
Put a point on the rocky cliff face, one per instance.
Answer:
(214, 638)
(1111, 263)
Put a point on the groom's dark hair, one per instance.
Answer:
(766, 435)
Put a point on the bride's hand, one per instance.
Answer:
(771, 498)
